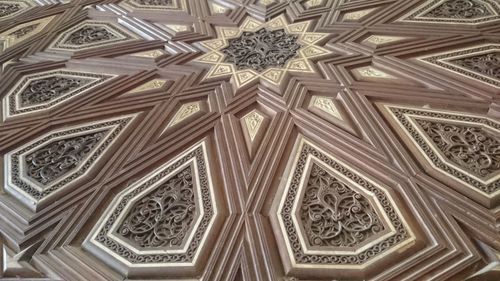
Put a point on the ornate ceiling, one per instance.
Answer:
(244, 140)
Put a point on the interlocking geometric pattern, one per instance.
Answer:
(267, 51)
(250, 140)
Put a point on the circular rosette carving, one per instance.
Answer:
(261, 49)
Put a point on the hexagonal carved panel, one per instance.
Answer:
(481, 63)
(162, 221)
(332, 219)
(42, 168)
(38, 92)
(461, 147)
(9, 8)
(455, 11)
(92, 34)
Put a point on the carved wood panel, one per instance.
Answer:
(246, 140)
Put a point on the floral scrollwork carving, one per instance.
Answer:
(154, 2)
(8, 8)
(261, 49)
(23, 31)
(47, 89)
(89, 34)
(486, 64)
(52, 161)
(472, 148)
(333, 214)
(163, 217)
(459, 9)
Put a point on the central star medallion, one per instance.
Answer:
(265, 51)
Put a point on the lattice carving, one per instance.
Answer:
(330, 215)
(52, 162)
(455, 11)
(40, 91)
(481, 63)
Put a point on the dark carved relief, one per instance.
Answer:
(154, 2)
(23, 31)
(57, 158)
(89, 34)
(261, 49)
(471, 148)
(8, 8)
(486, 64)
(207, 206)
(47, 89)
(333, 214)
(482, 144)
(162, 217)
(459, 9)
(376, 249)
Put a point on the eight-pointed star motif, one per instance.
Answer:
(258, 50)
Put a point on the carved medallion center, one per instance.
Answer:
(261, 49)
